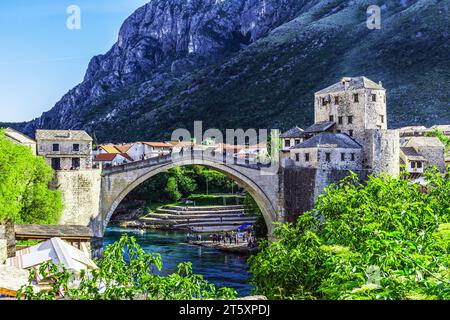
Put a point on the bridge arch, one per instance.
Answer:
(117, 184)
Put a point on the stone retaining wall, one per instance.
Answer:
(7, 241)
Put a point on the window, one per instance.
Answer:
(338, 131)
(382, 118)
(342, 156)
(55, 147)
(355, 97)
(324, 102)
(336, 100)
(297, 157)
(306, 157)
(287, 143)
(353, 157)
(350, 133)
(56, 164)
(374, 98)
(350, 119)
(419, 164)
(76, 147)
(331, 118)
(328, 157)
(413, 164)
(297, 141)
(75, 163)
(341, 120)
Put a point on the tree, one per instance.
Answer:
(24, 193)
(384, 239)
(125, 272)
(171, 189)
(185, 181)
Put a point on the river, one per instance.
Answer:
(222, 269)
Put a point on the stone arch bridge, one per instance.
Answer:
(282, 193)
(261, 181)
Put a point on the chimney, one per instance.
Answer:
(346, 82)
(380, 83)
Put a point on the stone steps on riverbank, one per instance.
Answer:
(199, 219)
(216, 223)
(196, 216)
(205, 208)
(199, 212)
(155, 218)
(212, 221)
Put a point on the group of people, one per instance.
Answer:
(232, 237)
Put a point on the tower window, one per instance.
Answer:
(355, 97)
(336, 100)
(419, 164)
(306, 157)
(56, 163)
(56, 147)
(331, 118)
(328, 157)
(342, 156)
(350, 119)
(297, 157)
(341, 120)
(75, 163)
(76, 147)
(382, 118)
(297, 141)
(350, 133)
(287, 143)
(324, 101)
(353, 157)
(374, 98)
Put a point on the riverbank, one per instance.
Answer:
(243, 248)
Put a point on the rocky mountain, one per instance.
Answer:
(257, 63)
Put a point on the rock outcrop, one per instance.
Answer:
(256, 63)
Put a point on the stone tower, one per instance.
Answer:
(357, 107)
(354, 104)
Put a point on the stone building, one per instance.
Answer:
(354, 105)
(421, 152)
(356, 108)
(19, 138)
(106, 160)
(328, 151)
(65, 149)
(292, 138)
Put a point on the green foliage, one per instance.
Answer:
(24, 193)
(171, 189)
(183, 182)
(386, 225)
(125, 272)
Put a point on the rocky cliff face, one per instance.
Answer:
(256, 63)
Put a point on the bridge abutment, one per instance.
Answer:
(81, 192)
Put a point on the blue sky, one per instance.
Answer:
(41, 59)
